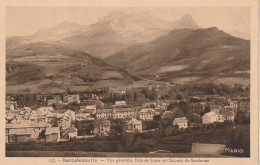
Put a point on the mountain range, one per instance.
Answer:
(121, 49)
(187, 54)
(109, 35)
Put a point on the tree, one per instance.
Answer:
(179, 96)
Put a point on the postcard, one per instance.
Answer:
(123, 82)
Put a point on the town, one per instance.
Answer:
(122, 113)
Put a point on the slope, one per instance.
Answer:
(203, 54)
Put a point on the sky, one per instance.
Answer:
(22, 21)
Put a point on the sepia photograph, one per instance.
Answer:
(156, 82)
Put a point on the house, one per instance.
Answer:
(70, 114)
(146, 114)
(24, 131)
(51, 116)
(233, 104)
(149, 105)
(42, 119)
(56, 99)
(133, 125)
(20, 135)
(99, 104)
(104, 113)
(91, 109)
(64, 122)
(215, 108)
(122, 113)
(71, 99)
(52, 134)
(28, 109)
(120, 103)
(211, 117)
(167, 115)
(44, 110)
(82, 116)
(101, 127)
(11, 105)
(228, 114)
(182, 122)
(72, 132)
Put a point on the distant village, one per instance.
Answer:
(56, 120)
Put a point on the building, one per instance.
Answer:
(215, 108)
(64, 122)
(91, 109)
(149, 105)
(182, 122)
(104, 114)
(120, 103)
(52, 134)
(228, 114)
(122, 113)
(24, 132)
(11, 105)
(101, 127)
(43, 110)
(55, 100)
(72, 132)
(99, 104)
(71, 99)
(133, 125)
(146, 114)
(167, 115)
(211, 117)
(233, 104)
(82, 116)
(21, 135)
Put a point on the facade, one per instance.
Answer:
(101, 127)
(228, 114)
(52, 134)
(233, 104)
(82, 116)
(123, 113)
(11, 105)
(64, 122)
(91, 109)
(24, 132)
(72, 132)
(71, 99)
(120, 103)
(182, 122)
(133, 125)
(215, 108)
(147, 114)
(98, 103)
(211, 117)
(104, 114)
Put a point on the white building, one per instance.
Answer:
(133, 125)
(120, 103)
(211, 117)
(233, 104)
(147, 114)
(182, 122)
